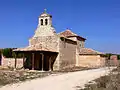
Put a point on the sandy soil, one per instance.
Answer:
(68, 81)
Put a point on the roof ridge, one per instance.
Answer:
(67, 31)
(89, 51)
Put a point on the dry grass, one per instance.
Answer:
(9, 76)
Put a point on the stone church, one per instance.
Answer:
(49, 50)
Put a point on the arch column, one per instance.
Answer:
(15, 61)
(33, 55)
(50, 63)
(42, 61)
(23, 60)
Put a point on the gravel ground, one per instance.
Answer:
(66, 81)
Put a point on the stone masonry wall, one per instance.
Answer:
(67, 55)
(80, 44)
(44, 31)
(50, 42)
(91, 61)
(10, 62)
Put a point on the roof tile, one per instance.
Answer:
(67, 33)
(88, 51)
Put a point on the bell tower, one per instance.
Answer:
(45, 27)
(45, 19)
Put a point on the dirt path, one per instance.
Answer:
(67, 81)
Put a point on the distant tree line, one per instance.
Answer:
(8, 53)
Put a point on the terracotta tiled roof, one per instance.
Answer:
(68, 33)
(37, 47)
(89, 51)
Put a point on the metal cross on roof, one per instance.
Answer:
(45, 10)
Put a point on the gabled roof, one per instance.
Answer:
(88, 51)
(68, 33)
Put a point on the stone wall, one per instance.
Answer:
(79, 43)
(113, 57)
(11, 62)
(56, 65)
(73, 38)
(46, 30)
(67, 54)
(91, 61)
(50, 42)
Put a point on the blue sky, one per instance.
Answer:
(96, 20)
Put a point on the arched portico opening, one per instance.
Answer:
(38, 60)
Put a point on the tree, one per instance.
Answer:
(108, 55)
(118, 57)
(7, 52)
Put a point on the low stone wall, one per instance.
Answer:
(10, 62)
(91, 61)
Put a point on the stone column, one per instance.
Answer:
(15, 61)
(23, 60)
(33, 55)
(50, 63)
(42, 61)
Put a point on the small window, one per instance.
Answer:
(41, 21)
(46, 21)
